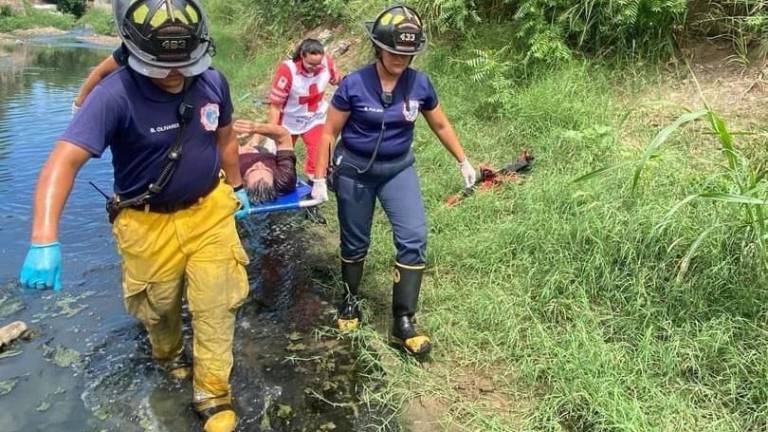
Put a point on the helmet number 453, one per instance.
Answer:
(174, 44)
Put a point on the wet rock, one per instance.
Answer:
(11, 332)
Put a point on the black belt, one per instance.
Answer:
(174, 207)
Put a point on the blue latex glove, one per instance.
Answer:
(42, 267)
(245, 204)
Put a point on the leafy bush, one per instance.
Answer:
(551, 29)
(597, 26)
(267, 19)
(100, 21)
(74, 7)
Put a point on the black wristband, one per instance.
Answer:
(238, 188)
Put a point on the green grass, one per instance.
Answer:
(565, 296)
(32, 18)
(99, 20)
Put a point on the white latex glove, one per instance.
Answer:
(320, 190)
(468, 173)
(74, 108)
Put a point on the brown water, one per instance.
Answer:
(87, 368)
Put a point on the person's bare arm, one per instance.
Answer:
(273, 114)
(333, 124)
(101, 71)
(279, 134)
(442, 128)
(228, 152)
(53, 187)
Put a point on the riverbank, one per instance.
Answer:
(557, 305)
(31, 21)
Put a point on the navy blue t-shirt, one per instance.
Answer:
(360, 94)
(120, 55)
(138, 121)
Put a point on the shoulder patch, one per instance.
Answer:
(282, 82)
(209, 117)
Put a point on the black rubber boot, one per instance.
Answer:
(349, 309)
(405, 297)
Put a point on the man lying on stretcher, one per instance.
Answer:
(267, 169)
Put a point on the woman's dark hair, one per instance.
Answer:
(308, 46)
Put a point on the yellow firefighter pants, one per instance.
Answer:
(195, 253)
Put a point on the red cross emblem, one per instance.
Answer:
(312, 100)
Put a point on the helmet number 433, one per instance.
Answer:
(408, 37)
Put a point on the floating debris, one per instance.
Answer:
(284, 411)
(62, 356)
(9, 305)
(10, 353)
(295, 336)
(7, 386)
(102, 413)
(293, 347)
(65, 304)
(328, 426)
(44, 406)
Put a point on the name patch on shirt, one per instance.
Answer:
(209, 117)
(165, 128)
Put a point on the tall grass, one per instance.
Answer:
(567, 298)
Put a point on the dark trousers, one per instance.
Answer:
(396, 186)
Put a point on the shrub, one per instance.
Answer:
(100, 21)
(74, 7)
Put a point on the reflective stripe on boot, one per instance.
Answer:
(217, 414)
(349, 309)
(405, 298)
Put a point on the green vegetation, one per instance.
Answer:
(72, 13)
(30, 17)
(100, 21)
(629, 301)
(72, 7)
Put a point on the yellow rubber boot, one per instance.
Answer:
(224, 421)
(405, 297)
(349, 309)
(178, 368)
(217, 414)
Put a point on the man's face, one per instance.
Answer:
(172, 83)
(259, 181)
